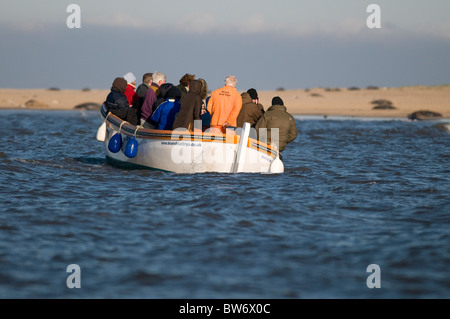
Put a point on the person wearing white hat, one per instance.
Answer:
(130, 78)
(130, 92)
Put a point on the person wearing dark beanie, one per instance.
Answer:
(253, 94)
(277, 101)
(255, 98)
(276, 117)
(166, 112)
(250, 112)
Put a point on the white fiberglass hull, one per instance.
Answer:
(189, 152)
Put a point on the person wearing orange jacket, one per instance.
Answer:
(224, 105)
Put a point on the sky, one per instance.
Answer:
(289, 44)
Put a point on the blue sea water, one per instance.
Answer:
(354, 193)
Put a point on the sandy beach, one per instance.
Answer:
(358, 102)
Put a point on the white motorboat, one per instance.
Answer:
(186, 151)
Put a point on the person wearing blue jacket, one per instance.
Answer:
(164, 115)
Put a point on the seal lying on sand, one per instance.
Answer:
(35, 104)
(383, 105)
(88, 106)
(424, 115)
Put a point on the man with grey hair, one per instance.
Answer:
(231, 81)
(158, 78)
(224, 105)
(151, 95)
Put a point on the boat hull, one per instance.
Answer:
(188, 152)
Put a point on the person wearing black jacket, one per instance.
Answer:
(117, 103)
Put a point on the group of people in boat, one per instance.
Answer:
(160, 105)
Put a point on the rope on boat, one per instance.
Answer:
(135, 131)
(120, 127)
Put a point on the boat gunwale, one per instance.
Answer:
(115, 123)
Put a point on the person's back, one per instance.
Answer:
(255, 98)
(116, 98)
(191, 107)
(140, 92)
(165, 114)
(142, 89)
(162, 94)
(277, 117)
(151, 95)
(250, 112)
(117, 103)
(144, 86)
(225, 104)
(184, 84)
(147, 105)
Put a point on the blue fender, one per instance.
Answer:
(115, 143)
(131, 148)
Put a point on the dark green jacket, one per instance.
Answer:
(276, 116)
(142, 89)
(250, 112)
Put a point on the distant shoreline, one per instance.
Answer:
(349, 102)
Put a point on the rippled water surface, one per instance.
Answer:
(354, 193)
